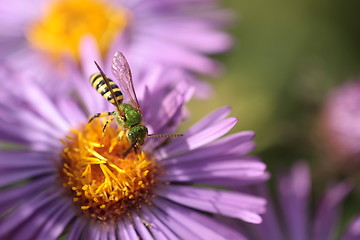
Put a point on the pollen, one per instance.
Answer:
(102, 183)
(63, 23)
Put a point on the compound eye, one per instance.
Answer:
(131, 136)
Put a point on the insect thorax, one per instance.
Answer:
(132, 117)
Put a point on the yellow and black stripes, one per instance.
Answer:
(101, 115)
(97, 81)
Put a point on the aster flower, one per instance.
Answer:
(353, 231)
(289, 216)
(70, 179)
(340, 124)
(183, 31)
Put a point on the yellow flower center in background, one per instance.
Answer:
(66, 22)
(103, 183)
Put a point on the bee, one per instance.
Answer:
(127, 115)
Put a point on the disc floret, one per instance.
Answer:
(64, 23)
(103, 183)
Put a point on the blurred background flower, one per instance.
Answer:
(287, 58)
(340, 128)
(174, 33)
(290, 216)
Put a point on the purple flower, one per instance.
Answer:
(340, 123)
(68, 178)
(288, 216)
(353, 231)
(174, 33)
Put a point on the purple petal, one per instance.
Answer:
(14, 176)
(173, 224)
(48, 224)
(88, 54)
(72, 112)
(206, 41)
(220, 202)
(76, 229)
(14, 196)
(47, 110)
(353, 231)
(229, 144)
(34, 123)
(187, 231)
(209, 120)
(112, 234)
(189, 219)
(233, 181)
(180, 57)
(18, 14)
(122, 231)
(140, 228)
(270, 228)
(160, 5)
(94, 232)
(198, 176)
(26, 210)
(327, 215)
(6, 135)
(103, 231)
(214, 168)
(32, 228)
(89, 97)
(192, 141)
(156, 226)
(19, 160)
(57, 223)
(19, 134)
(294, 192)
(102, 234)
(226, 162)
(129, 228)
(163, 111)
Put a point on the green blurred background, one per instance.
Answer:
(287, 56)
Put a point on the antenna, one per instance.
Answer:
(167, 135)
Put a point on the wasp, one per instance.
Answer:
(127, 115)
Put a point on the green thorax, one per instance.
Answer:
(132, 117)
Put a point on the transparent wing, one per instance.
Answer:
(122, 73)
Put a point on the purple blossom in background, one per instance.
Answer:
(288, 216)
(147, 75)
(35, 204)
(340, 123)
(353, 231)
(174, 33)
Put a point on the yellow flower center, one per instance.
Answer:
(65, 22)
(103, 183)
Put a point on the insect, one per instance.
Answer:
(127, 115)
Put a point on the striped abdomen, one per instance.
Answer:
(97, 81)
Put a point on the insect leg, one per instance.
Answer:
(104, 128)
(101, 115)
(105, 125)
(129, 149)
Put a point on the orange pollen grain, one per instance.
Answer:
(104, 184)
